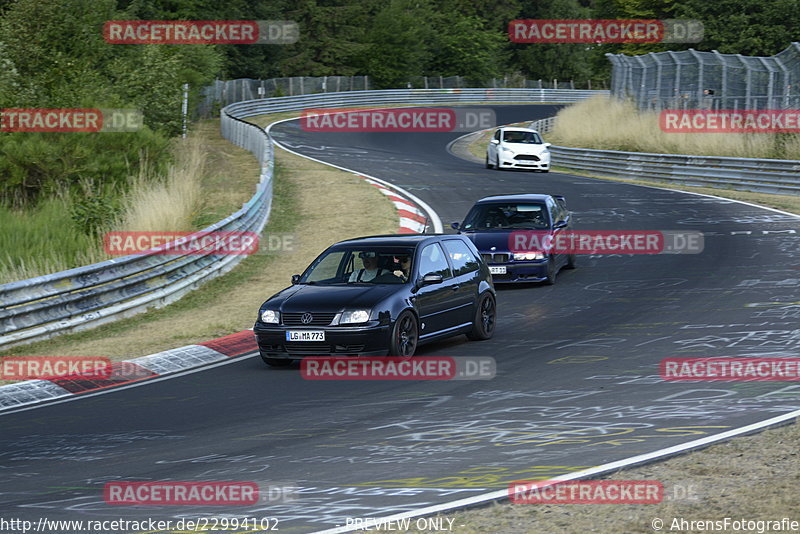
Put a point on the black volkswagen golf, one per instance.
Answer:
(379, 295)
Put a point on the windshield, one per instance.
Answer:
(530, 138)
(509, 216)
(343, 266)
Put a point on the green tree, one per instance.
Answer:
(463, 45)
(397, 46)
(547, 61)
(748, 27)
(331, 37)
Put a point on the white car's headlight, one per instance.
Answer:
(528, 256)
(506, 149)
(354, 316)
(270, 317)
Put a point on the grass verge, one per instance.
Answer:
(607, 123)
(318, 205)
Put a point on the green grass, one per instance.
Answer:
(205, 184)
(42, 239)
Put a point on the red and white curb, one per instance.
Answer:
(168, 362)
(412, 219)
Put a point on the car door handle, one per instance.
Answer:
(455, 287)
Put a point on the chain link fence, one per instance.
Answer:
(708, 80)
(223, 93)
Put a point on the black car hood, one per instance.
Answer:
(484, 241)
(305, 297)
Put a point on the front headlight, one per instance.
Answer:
(270, 317)
(354, 316)
(528, 256)
(506, 149)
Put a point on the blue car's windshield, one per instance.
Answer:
(379, 265)
(506, 216)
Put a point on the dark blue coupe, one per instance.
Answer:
(493, 222)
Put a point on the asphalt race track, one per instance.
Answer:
(577, 368)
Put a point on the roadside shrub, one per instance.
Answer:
(35, 165)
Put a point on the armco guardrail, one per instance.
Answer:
(412, 97)
(745, 174)
(49, 305)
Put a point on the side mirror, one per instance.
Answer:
(547, 145)
(295, 279)
(560, 224)
(455, 225)
(495, 141)
(431, 278)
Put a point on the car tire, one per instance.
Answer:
(488, 165)
(571, 262)
(552, 271)
(276, 362)
(545, 170)
(485, 318)
(405, 336)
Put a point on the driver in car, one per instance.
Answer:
(370, 270)
(405, 267)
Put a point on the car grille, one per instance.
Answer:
(527, 157)
(318, 319)
(316, 347)
(495, 258)
(308, 347)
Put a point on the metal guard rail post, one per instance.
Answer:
(744, 174)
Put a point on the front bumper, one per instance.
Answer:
(366, 340)
(518, 161)
(521, 271)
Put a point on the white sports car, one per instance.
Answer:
(518, 148)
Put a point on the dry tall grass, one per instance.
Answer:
(44, 240)
(169, 203)
(611, 124)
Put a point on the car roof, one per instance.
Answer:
(531, 197)
(518, 129)
(394, 239)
